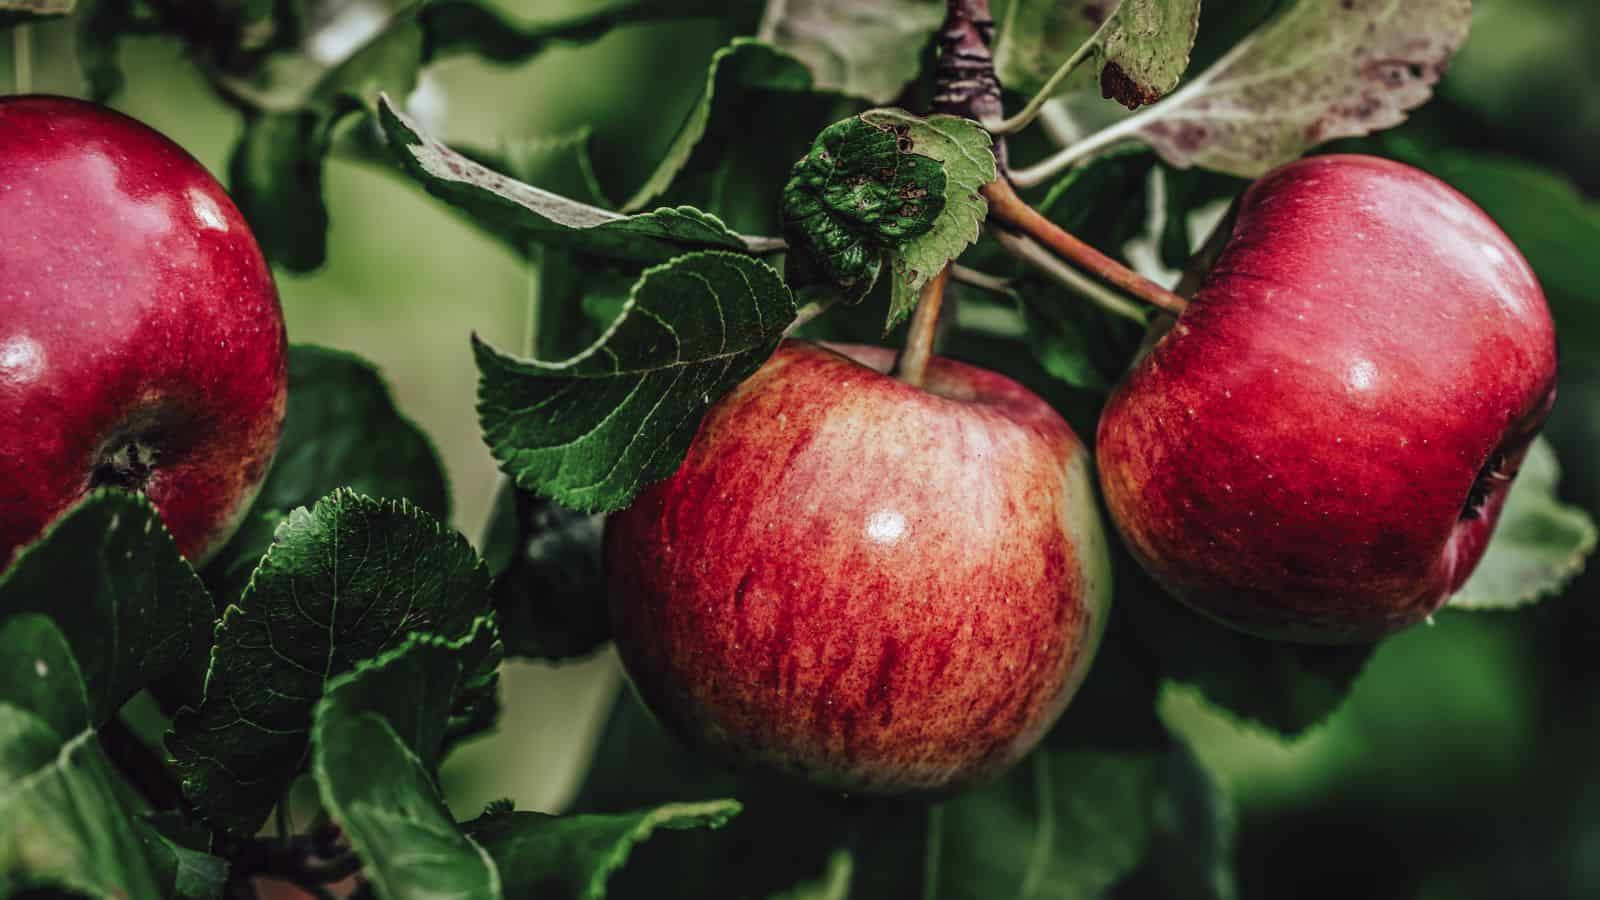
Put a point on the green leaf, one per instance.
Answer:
(275, 173)
(293, 103)
(97, 609)
(743, 67)
(1037, 36)
(1104, 203)
(638, 765)
(549, 589)
(193, 874)
(1146, 48)
(1191, 851)
(471, 26)
(858, 193)
(1060, 331)
(834, 884)
(863, 48)
(1539, 543)
(1140, 47)
(965, 152)
(528, 213)
(343, 582)
(131, 609)
(591, 430)
(544, 857)
(1314, 72)
(1284, 687)
(557, 162)
(1187, 192)
(375, 745)
(1063, 823)
(100, 26)
(341, 430)
(63, 822)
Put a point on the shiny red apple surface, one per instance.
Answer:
(860, 583)
(1320, 446)
(141, 341)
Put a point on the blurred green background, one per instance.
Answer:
(1466, 762)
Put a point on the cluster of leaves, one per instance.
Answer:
(361, 646)
(356, 640)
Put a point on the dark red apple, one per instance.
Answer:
(1319, 448)
(141, 341)
(863, 584)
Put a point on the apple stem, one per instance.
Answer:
(1010, 210)
(22, 59)
(911, 366)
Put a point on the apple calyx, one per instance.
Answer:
(1494, 475)
(125, 464)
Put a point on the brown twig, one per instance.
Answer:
(1009, 209)
(911, 366)
(964, 79)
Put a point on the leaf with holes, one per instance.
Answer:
(591, 430)
(1539, 543)
(375, 744)
(523, 212)
(863, 48)
(861, 191)
(343, 582)
(1140, 47)
(572, 856)
(1318, 70)
(965, 151)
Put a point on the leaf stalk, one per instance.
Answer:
(22, 58)
(1025, 116)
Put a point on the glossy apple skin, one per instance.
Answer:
(1295, 457)
(138, 321)
(860, 584)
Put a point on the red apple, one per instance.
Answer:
(141, 341)
(1319, 448)
(863, 584)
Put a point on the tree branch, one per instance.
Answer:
(964, 79)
